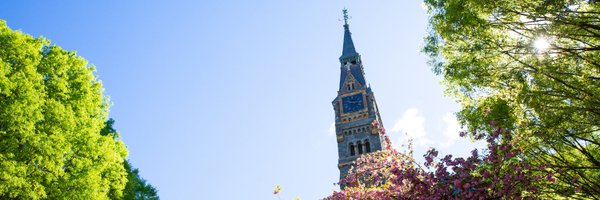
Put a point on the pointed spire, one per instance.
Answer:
(348, 50)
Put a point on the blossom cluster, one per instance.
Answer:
(497, 172)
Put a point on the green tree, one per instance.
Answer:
(51, 111)
(136, 188)
(532, 66)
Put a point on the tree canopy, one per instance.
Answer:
(54, 143)
(137, 188)
(533, 67)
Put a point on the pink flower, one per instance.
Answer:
(550, 177)
(457, 183)
(467, 186)
(486, 173)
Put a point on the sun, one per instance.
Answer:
(541, 44)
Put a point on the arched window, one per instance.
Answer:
(352, 153)
(367, 146)
(360, 148)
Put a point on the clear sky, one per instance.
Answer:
(226, 99)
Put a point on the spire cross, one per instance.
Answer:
(345, 11)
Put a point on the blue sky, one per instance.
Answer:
(226, 99)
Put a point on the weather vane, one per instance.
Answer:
(346, 17)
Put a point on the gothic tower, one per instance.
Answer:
(357, 122)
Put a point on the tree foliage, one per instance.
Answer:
(533, 67)
(136, 188)
(51, 111)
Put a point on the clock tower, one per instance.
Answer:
(357, 122)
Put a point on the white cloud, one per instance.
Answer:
(331, 129)
(452, 130)
(413, 124)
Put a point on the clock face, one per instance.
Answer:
(353, 103)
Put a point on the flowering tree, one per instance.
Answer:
(533, 66)
(497, 173)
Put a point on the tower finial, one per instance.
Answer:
(345, 11)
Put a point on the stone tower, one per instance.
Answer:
(358, 126)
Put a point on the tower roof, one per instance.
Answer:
(350, 59)
(348, 50)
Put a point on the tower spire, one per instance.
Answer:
(348, 50)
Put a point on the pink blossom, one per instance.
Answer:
(491, 174)
(457, 183)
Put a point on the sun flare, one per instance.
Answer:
(541, 44)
